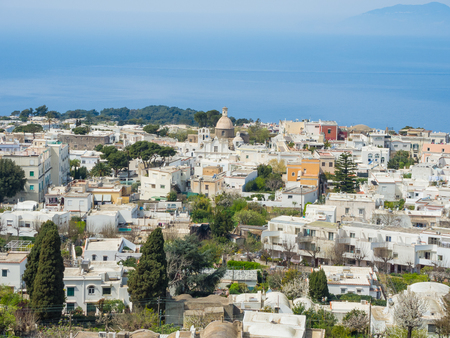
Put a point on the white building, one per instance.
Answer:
(351, 279)
(12, 265)
(262, 324)
(87, 158)
(158, 182)
(109, 249)
(374, 157)
(26, 223)
(75, 202)
(87, 284)
(238, 178)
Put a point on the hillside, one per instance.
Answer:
(429, 19)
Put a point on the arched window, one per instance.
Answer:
(91, 290)
(94, 257)
(377, 155)
(370, 156)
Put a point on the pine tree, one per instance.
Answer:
(149, 280)
(344, 175)
(33, 258)
(48, 294)
(318, 286)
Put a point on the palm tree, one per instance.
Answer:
(74, 164)
(101, 169)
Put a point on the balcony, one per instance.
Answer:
(305, 239)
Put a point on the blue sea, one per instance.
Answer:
(378, 81)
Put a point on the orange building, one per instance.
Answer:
(306, 172)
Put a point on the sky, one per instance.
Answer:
(261, 58)
(104, 17)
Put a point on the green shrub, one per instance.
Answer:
(237, 265)
(237, 288)
(78, 251)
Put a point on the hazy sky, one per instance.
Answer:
(102, 16)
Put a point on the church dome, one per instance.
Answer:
(238, 138)
(224, 122)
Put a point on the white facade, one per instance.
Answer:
(87, 158)
(84, 288)
(12, 266)
(374, 156)
(26, 223)
(160, 181)
(357, 280)
(60, 172)
(238, 178)
(108, 249)
(78, 202)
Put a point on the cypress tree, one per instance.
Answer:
(33, 257)
(149, 280)
(318, 286)
(48, 290)
(344, 175)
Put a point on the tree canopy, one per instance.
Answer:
(29, 128)
(185, 265)
(401, 160)
(80, 130)
(149, 280)
(12, 179)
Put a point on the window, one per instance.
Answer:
(206, 187)
(31, 173)
(427, 255)
(428, 149)
(280, 228)
(352, 235)
(293, 174)
(347, 211)
(388, 238)
(431, 328)
(223, 133)
(358, 291)
(106, 291)
(433, 240)
(369, 156)
(105, 258)
(70, 292)
(31, 187)
(395, 255)
(361, 211)
(153, 186)
(91, 290)
(329, 131)
(440, 257)
(4, 273)
(94, 257)
(313, 233)
(323, 164)
(70, 307)
(370, 239)
(343, 290)
(331, 236)
(330, 164)
(162, 186)
(297, 231)
(289, 196)
(246, 156)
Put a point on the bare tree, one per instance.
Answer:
(360, 254)
(356, 321)
(109, 231)
(336, 253)
(313, 251)
(289, 250)
(385, 255)
(408, 312)
(386, 218)
(443, 324)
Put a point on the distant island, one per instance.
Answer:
(428, 19)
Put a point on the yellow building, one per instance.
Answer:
(307, 172)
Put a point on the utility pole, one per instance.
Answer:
(370, 317)
(159, 311)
